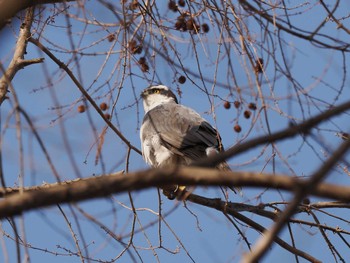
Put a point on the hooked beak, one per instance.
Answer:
(143, 94)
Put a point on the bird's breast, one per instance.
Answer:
(154, 152)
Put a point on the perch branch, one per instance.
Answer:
(101, 186)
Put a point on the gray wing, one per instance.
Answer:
(182, 130)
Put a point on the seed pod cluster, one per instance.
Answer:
(252, 106)
(192, 25)
(180, 23)
(259, 65)
(111, 37)
(183, 23)
(134, 47)
(143, 63)
(134, 5)
(172, 6)
(181, 3)
(104, 106)
(246, 113)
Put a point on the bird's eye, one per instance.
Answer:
(156, 91)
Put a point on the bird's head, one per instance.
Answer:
(156, 95)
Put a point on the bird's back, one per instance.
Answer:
(177, 130)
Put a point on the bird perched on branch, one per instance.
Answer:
(172, 134)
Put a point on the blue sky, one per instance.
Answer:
(206, 234)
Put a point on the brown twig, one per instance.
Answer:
(84, 92)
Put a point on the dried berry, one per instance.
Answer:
(247, 114)
(252, 106)
(111, 37)
(107, 116)
(181, 23)
(196, 28)
(237, 128)
(178, 25)
(137, 50)
(205, 28)
(172, 6)
(134, 5)
(144, 67)
(237, 104)
(81, 108)
(103, 106)
(142, 60)
(134, 47)
(227, 105)
(181, 18)
(132, 44)
(259, 64)
(182, 79)
(191, 25)
(181, 3)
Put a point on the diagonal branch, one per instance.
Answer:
(304, 128)
(222, 206)
(266, 240)
(17, 61)
(83, 91)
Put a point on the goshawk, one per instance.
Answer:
(172, 134)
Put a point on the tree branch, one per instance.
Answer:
(84, 92)
(266, 240)
(303, 128)
(105, 185)
(9, 8)
(233, 211)
(17, 61)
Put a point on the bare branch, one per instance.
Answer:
(84, 92)
(17, 61)
(101, 186)
(239, 62)
(303, 128)
(266, 240)
(9, 8)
